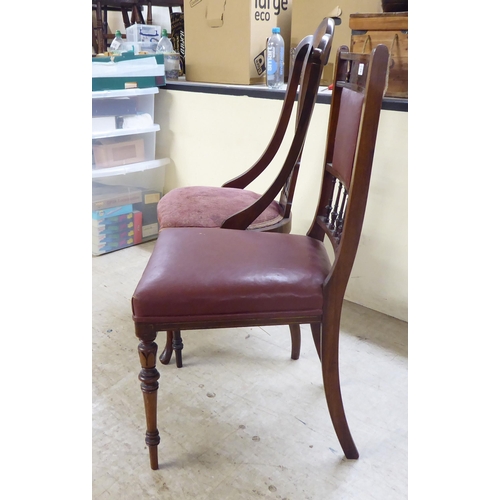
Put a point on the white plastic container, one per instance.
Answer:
(143, 33)
(131, 144)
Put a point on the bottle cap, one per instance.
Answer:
(118, 33)
(164, 32)
(276, 30)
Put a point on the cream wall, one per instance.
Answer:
(211, 138)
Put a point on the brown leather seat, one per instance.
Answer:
(197, 273)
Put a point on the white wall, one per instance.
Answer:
(212, 138)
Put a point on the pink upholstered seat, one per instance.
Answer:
(206, 206)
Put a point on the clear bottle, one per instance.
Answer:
(116, 46)
(164, 45)
(170, 57)
(275, 67)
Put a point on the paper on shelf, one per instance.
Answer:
(141, 120)
(146, 66)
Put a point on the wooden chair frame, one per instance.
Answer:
(339, 218)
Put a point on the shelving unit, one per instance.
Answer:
(127, 177)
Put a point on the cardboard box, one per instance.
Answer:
(113, 153)
(307, 14)
(389, 29)
(226, 39)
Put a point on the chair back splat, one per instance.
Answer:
(199, 278)
(233, 206)
(311, 56)
(352, 132)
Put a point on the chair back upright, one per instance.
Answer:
(360, 81)
(311, 55)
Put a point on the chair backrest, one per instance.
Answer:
(360, 81)
(311, 55)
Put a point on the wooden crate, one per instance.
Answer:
(390, 29)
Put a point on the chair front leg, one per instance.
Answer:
(149, 384)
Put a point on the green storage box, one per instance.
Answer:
(128, 71)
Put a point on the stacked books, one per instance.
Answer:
(122, 216)
(115, 222)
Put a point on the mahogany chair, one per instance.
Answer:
(200, 278)
(233, 206)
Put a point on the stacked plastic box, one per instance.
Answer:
(127, 178)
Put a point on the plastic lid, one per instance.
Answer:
(118, 33)
(164, 32)
(276, 30)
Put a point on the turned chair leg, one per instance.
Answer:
(149, 384)
(295, 336)
(166, 355)
(177, 346)
(173, 343)
(331, 379)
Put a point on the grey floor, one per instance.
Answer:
(241, 420)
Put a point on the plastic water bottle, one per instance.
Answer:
(170, 57)
(275, 67)
(117, 44)
(164, 45)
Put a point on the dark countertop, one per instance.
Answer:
(262, 92)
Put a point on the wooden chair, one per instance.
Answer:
(199, 278)
(233, 206)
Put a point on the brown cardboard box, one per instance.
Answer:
(112, 153)
(226, 39)
(389, 29)
(307, 14)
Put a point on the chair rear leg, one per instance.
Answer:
(316, 333)
(331, 379)
(149, 384)
(177, 346)
(295, 336)
(166, 355)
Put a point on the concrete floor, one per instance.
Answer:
(241, 420)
